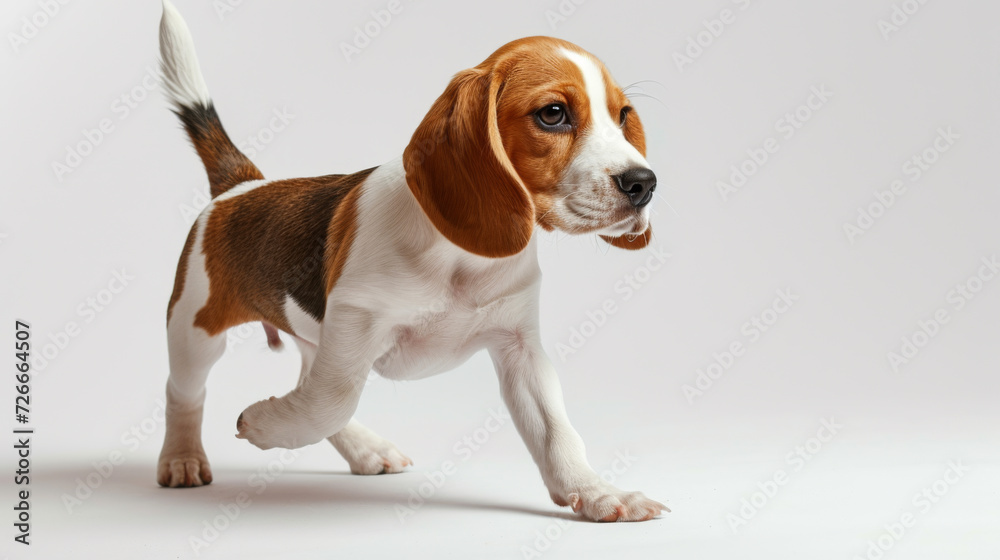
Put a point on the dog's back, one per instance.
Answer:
(264, 242)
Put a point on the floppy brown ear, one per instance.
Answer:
(631, 241)
(459, 172)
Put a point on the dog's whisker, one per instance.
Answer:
(636, 84)
(554, 206)
(665, 201)
(639, 95)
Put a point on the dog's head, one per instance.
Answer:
(537, 133)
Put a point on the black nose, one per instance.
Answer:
(638, 184)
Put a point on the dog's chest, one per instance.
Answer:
(443, 332)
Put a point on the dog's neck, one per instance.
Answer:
(388, 200)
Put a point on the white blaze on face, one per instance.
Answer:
(604, 152)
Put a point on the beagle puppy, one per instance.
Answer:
(410, 267)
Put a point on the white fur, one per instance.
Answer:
(179, 62)
(302, 323)
(241, 188)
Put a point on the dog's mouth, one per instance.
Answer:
(601, 208)
(581, 217)
(630, 225)
(635, 224)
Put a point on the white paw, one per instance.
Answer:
(606, 503)
(267, 424)
(378, 460)
(368, 453)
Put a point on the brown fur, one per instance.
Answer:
(272, 242)
(631, 241)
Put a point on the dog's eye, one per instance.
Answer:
(623, 116)
(552, 116)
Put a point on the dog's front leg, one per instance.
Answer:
(327, 397)
(531, 391)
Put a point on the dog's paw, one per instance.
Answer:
(183, 470)
(607, 503)
(376, 458)
(265, 426)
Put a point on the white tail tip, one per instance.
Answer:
(178, 61)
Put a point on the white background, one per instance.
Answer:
(62, 237)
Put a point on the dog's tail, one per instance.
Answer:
(226, 165)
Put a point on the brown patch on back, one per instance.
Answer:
(272, 242)
(182, 266)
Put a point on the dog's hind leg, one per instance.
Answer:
(193, 351)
